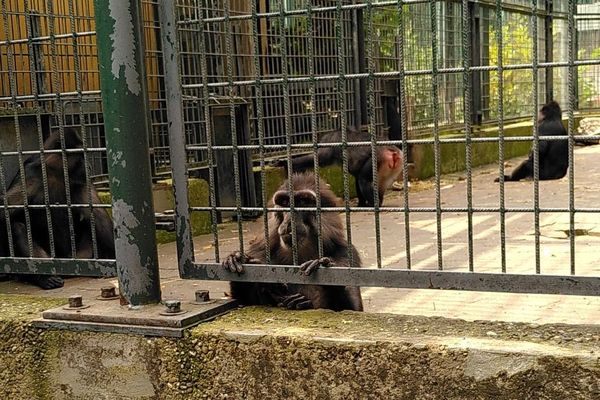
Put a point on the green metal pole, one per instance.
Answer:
(126, 122)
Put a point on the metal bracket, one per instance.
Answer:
(149, 320)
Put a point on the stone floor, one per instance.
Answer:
(520, 250)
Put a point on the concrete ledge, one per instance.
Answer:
(259, 353)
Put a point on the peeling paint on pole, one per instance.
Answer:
(127, 124)
(123, 54)
(126, 244)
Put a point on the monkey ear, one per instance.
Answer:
(281, 198)
(305, 198)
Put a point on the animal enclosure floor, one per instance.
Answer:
(519, 244)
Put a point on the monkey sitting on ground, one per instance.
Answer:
(57, 195)
(335, 252)
(553, 154)
(389, 164)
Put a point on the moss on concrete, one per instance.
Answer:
(267, 353)
(453, 155)
(198, 195)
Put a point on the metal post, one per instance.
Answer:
(124, 96)
(170, 44)
(548, 51)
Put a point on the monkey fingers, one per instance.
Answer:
(308, 267)
(296, 302)
(234, 261)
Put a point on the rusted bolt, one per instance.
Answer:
(202, 296)
(107, 292)
(173, 306)
(75, 301)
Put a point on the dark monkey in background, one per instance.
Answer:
(553, 154)
(389, 164)
(335, 253)
(57, 194)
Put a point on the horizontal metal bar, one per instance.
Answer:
(38, 39)
(343, 7)
(51, 96)
(396, 142)
(402, 278)
(388, 74)
(291, 13)
(410, 209)
(57, 151)
(58, 266)
(54, 205)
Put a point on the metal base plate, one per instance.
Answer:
(110, 316)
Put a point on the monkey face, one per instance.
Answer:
(303, 221)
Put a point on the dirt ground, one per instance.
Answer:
(520, 249)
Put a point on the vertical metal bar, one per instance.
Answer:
(402, 101)
(362, 67)
(356, 58)
(466, 58)
(59, 112)
(436, 131)
(260, 125)
(35, 51)
(13, 94)
(536, 137)
(33, 64)
(209, 135)
(82, 122)
(341, 92)
(287, 123)
(313, 121)
(476, 52)
(549, 50)
(176, 129)
(500, 71)
(572, 86)
(126, 119)
(371, 119)
(233, 124)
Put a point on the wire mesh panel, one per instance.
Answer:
(286, 80)
(50, 124)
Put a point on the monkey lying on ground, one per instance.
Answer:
(335, 252)
(57, 194)
(554, 154)
(389, 164)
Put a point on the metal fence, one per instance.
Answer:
(461, 63)
(231, 83)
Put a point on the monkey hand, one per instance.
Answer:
(308, 267)
(296, 301)
(234, 261)
(506, 178)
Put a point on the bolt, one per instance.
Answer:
(202, 296)
(107, 292)
(173, 306)
(75, 301)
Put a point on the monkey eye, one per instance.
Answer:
(305, 198)
(281, 199)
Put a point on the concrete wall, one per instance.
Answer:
(259, 353)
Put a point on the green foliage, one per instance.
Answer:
(588, 91)
(518, 84)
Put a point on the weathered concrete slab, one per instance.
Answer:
(268, 354)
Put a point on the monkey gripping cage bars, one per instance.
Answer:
(120, 44)
(401, 274)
